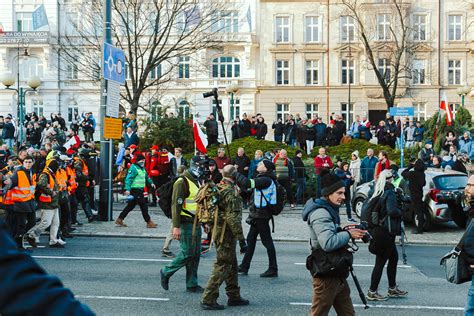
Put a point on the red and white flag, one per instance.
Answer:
(446, 108)
(200, 139)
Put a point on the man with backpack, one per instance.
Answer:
(264, 196)
(228, 229)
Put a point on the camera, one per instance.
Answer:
(367, 236)
(212, 93)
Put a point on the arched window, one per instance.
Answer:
(183, 109)
(225, 67)
(156, 111)
(30, 67)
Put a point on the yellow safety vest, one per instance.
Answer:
(190, 205)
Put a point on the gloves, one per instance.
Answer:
(243, 246)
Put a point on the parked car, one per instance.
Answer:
(442, 188)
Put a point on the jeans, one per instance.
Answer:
(300, 190)
(82, 195)
(260, 227)
(48, 218)
(10, 142)
(347, 199)
(469, 310)
(309, 146)
(380, 261)
(278, 138)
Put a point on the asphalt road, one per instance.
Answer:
(120, 276)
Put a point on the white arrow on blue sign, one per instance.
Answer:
(113, 65)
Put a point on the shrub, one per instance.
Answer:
(172, 132)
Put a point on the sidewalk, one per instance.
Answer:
(288, 227)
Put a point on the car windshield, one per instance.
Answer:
(450, 182)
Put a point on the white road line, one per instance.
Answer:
(416, 307)
(124, 298)
(359, 265)
(103, 259)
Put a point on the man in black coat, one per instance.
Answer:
(245, 126)
(415, 175)
(279, 127)
(211, 129)
(339, 128)
(242, 162)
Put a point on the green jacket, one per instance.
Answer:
(43, 186)
(133, 172)
(230, 209)
(180, 193)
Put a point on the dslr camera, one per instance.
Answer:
(363, 226)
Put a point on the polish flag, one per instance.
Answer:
(200, 139)
(446, 108)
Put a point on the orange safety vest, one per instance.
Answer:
(85, 169)
(71, 180)
(8, 195)
(24, 191)
(61, 179)
(45, 198)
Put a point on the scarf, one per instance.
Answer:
(385, 166)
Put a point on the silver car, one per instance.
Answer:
(441, 187)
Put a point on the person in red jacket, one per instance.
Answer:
(321, 161)
(158, 168)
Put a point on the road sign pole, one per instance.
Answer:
(402, 145)
(105, 193)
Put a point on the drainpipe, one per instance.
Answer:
(327, 62)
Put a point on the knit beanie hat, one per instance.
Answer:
(268, 164)
(330, 183)
(356, 153)
(298, 152)
(53, 166)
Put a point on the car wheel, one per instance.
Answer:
(428, 219)
(357, 206)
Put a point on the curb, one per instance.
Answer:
(415, 242)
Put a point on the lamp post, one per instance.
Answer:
(8, 80)
(231, 90)
(462, 92)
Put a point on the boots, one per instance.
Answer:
(119, 222)
(150, 224)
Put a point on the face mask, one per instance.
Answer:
(141, 164)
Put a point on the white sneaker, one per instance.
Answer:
(94, 212)
(61, 242)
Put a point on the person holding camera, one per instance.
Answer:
(386, 223)
(329, 243)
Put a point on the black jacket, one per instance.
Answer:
(300, 171)
(262, 130)
(245, 128)
(262, 181)
(211, 127)
(241, 163)
(415, 175)
(391, 210)
(279, 127)
(340, 130)
(235, 131)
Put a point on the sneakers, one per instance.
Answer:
(119, 222)
(31, 241)
(375, 296)
(166, 253)
(151, 224)
(61, 242)
(351, 220)
(396, 292)
(56, 245)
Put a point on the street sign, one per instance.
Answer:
(113, 67)
(112, 128)
(402, 111)
(39, 17)
(113, 99)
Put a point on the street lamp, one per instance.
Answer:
(462, 92)
(231, 90)
(8, 80)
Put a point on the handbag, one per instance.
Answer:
(455, 264)
(334, 264)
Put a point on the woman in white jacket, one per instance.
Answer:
(354, 168)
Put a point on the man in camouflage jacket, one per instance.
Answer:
(228, 231)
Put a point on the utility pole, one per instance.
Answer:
(105, 193)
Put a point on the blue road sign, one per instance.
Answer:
(113, 66)
(399, 111)
(39, 17)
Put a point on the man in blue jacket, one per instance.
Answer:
(367, 167)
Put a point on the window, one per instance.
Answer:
(156, 111)
(24, 21)
(73, 113)
(454, 71)
(420, 112)
(30, 67)
(454, 108)
(283, 110)
(347, 113)
(183, 67)
(38, 107)
(312, 29)
(282, 72)
(347, 29)
(72, 70)
(282, 29)
(226, 22)
(312, 110)
(454, 27)
(155, 73)
(384, 68)
(347, 71)
(72, 23)
(312, 72)
(419, 72)
(419, 27)
(226, 67)
(183, 110)
(235, 109)
(383, 27)
(214, 107)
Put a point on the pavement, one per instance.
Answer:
(288, 227)
(120, 276)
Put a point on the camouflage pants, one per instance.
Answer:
(225, 269)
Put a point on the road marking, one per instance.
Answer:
(359, 265)
(104, 259)
(419, 307)
(124, 298)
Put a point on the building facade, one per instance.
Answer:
(278, 58)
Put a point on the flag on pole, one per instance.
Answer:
(200, 139)
(40, 18)
(249, 19)
(446, 108)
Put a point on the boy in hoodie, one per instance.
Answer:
(415, 175)
(466, 144)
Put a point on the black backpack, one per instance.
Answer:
(275, 209)
(370, 211)
(165, 194)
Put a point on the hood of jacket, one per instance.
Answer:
(313, 204)
(271, 174)
(419, 165)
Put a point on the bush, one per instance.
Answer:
(171, 132)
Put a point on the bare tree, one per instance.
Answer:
(154, 34)
(387, 41)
